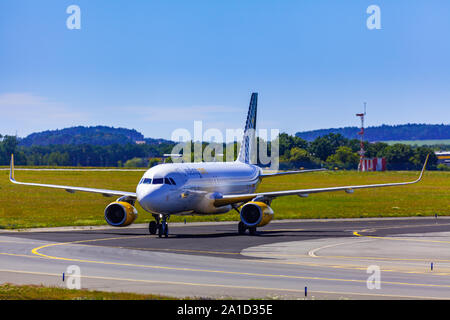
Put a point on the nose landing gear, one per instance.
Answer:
(160, 225)
(163, 230)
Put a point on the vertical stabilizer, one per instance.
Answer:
(248, 147)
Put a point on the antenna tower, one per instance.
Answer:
(361, 152)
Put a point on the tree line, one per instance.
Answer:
(98, 135)
(410, 131)
(82, 155)
(334, 150)
(330, 151)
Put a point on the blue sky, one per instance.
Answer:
(156, 66)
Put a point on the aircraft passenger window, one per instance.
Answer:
(173, 181)
(167, 181)
(158, 181)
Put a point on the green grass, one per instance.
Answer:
(25, 206)
(33, 292)
(419, 142)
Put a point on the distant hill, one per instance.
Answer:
(98, 135)
(386, 132)
(104, 136)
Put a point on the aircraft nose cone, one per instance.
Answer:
(150, 197)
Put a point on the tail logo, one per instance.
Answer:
(247, 150)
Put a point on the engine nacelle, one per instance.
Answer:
(256, 214)
(120, 214)
(206, 204)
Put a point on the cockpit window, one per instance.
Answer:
(166, 180)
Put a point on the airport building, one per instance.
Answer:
(443, 157)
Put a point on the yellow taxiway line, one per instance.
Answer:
(36, 252)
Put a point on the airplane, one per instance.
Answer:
(204, 188)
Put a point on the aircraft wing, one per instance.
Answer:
(282, 173)
(239, 198)
(104, 192)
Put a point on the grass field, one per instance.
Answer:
(25, 207)
(420, 142)
(31, 292)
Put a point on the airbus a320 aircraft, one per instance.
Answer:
(204, 188)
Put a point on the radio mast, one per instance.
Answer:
(361, 152)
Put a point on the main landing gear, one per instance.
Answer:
(242, 227)
(159, 226)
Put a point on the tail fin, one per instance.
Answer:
(248, 146)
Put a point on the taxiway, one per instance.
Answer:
(329, 257)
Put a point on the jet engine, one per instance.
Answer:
(120, 214)
(256, 214)
(206, 204)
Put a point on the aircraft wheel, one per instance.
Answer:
(241, 228)
(252, 230)
(152, 227)
(166, 230)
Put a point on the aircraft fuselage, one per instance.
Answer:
(190, 188)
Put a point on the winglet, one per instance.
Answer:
(11, 169)
(423, 168)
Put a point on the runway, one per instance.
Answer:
(210, 260)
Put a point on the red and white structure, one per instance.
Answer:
(368, 164)
(372, 164)
(361, 151)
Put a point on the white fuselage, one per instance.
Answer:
(190, 188)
